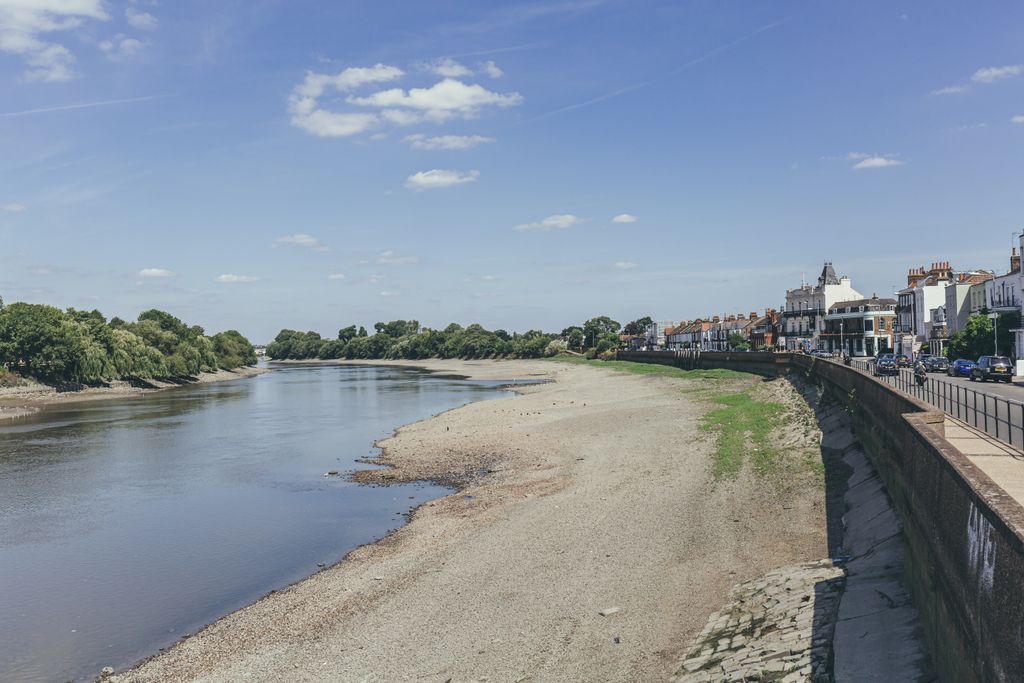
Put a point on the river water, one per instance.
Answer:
(125, 524)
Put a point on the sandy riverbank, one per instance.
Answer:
(32, 396)
(588, 493)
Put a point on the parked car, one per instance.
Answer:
(903, 361)
(935, 364)
(886, 365)
(961, 367)
(994, 368)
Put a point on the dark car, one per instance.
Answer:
(961, 367)
(886, 365)
(935, 364)
(994, 368)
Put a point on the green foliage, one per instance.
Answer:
(638, 326)
(81, 346)
(405, 339)
(743, 425)
(976, 338)
(738, 341)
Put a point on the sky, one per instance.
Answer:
(263, 164)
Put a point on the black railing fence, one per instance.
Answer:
(1000, 417)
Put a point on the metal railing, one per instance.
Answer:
(1000, 417)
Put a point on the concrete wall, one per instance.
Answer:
(964, 534)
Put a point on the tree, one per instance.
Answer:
(346, 333)
(738, 341)
(976, 339)
(573, 337)
(638, 326)
(601, 325)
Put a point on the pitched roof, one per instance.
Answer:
(828, 275)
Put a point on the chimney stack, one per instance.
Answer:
(1015, 261)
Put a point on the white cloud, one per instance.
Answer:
(951, 90)
(857, 155)
(876, 162)
(420, 141)
(121, 47)
(1016, 119)
(491, 69)
(302, 240)
(991, 74)
(140, 20)
(448, 99)
(230, 277)
(24, 22)
(387, 293)
(488, 278)
(441, 101)
(391, 258)
(303, 103)
(556, 222)
(623, 265)
(433, 179)
(625, 218)
(448, 68)
(13, 208)
(155, 272)
(336, 276)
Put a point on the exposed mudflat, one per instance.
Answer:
(30, 397)
(585, 494)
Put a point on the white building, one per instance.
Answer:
(803, 318)
(656, 334)
(960, 305)
(925, 291)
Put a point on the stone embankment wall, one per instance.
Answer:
(964, 534)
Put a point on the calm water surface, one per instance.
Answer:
(125, 524)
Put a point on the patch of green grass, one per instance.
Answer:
(743, 424)
(653, 369)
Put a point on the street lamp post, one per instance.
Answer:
(842, 344)
(995, 333)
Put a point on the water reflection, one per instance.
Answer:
(126, 523)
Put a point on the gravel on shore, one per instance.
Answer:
(589, 542)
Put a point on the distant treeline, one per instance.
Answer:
(83, 346)
(405, 339)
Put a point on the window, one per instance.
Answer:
(869, 325)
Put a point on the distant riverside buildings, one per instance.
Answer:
(831, 316)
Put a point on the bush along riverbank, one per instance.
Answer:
(84, 348)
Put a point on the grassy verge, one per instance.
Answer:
(652, 369)
(743, 425)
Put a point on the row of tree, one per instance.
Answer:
(978, 338)
(408, 340)
(83, 346)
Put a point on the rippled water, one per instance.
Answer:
(127, 523)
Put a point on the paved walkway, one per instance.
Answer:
(1003, 463)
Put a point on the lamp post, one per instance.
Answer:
(842, 344)
(995, 333)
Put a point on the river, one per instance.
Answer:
(127, 523)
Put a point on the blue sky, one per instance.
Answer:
(258, 165)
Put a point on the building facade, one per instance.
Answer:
(860, 328)
(807, 305)
(925, 291)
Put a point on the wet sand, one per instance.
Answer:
(589, 493)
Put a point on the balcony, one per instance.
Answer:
(803, 312)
